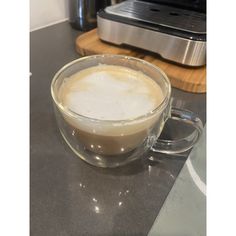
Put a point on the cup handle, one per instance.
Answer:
(183, 144)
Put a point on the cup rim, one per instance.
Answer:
(73, 114)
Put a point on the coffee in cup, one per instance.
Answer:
(111, 109)
(110, 93)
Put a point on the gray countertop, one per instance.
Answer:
(70, 197)
(184, 210)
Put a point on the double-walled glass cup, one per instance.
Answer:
(112, 143)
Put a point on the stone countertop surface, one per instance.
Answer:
(70, 197)
(184, 210)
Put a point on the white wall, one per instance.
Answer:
(47, 12)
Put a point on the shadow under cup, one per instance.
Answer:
(107, 143)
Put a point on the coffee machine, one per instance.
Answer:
(174, 29)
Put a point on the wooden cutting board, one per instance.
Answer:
(185, 78)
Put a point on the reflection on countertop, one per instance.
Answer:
(185, 206)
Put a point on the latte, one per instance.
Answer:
(102, 96)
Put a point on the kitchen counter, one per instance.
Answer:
(184, 210)
(70, 197)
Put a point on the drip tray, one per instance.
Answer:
(175, 34)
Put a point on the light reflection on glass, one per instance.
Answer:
(92, 146)
(97, 157)
(120, 203)
(73, 133)
(99, 146)
(122, 149)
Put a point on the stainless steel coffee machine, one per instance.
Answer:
(174, 29)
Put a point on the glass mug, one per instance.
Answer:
(113, 143)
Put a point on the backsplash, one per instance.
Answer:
(44, 12)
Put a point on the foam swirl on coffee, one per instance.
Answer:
(109, 92)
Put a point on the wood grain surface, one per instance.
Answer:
(186, 78)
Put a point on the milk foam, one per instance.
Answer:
(110, 93)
